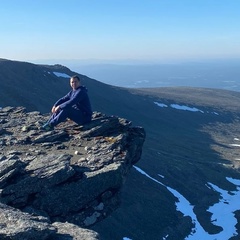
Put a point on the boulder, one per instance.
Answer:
(66, 179)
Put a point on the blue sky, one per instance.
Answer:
(119, 29)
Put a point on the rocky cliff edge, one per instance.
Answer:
(55, 184)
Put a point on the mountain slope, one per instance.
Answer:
(185, 150)
(189, 149)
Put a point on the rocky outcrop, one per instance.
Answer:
(54, 184)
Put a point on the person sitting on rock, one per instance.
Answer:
(75, 106)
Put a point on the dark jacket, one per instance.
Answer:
(77, 99)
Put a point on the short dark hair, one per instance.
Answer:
(76, 76)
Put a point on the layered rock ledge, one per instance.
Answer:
(55, 184)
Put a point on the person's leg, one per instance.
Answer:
(74, 114)
(78, 117)
(58, 117)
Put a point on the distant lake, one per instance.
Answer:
(209, 74)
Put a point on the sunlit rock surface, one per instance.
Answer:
(72, 174)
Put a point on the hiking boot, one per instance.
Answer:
(47, 127)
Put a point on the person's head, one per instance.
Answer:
(75, 82)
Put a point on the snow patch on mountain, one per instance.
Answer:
(59, 74)
(182, 107)
(222, 212)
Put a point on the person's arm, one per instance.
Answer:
(56, 106)
(76, 97)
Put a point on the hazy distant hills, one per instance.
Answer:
(221, 74)
(192, 145)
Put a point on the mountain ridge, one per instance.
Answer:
(188, 148)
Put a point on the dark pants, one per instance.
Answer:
(74, 114)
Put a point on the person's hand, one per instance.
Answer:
(55, 109)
